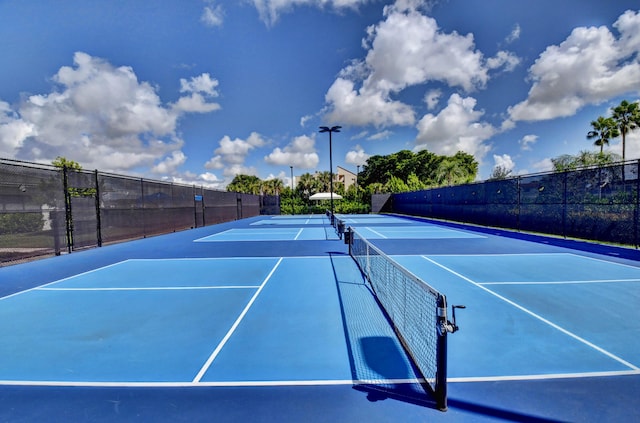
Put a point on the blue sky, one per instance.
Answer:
(196, 91)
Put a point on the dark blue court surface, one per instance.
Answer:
(268, 319)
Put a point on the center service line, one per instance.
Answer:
(222, 343)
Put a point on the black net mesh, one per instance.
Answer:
(45, 210)
(32, 211)
(598, 204)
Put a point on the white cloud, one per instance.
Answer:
(270, 10)
(432, 98)
(504, 161)
(380, 135)
(101, 116)
(214, 163)
(527, 141)
(589, 67)
(406, 49)
(357, 156)
(13, 131)
(360, 108)
(235, 151)
(200, 84)
(300, 153)
(455, 128)
(198, 88)
(212, 15)
(544, 165)
(514, 35)
(239, 169)
(170, 164)
(503, 59)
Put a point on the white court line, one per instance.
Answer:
(298, 234)
(233, 328)
(375, 232)
(560, 282)
(61, 280)
(154, 288)
(537, 316)
(257, 383)
(323, 382)
(212, 235)
(544, 376)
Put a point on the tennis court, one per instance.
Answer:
(269, 319)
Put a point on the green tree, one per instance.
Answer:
(567, 162)
(395, 184)
(323, 181)
(62, 162)
(414, 183)
(627, 118)
(424, 164)
(246, 184)
(306, 185)
(456, 170)
(603, 130)
(272, 186)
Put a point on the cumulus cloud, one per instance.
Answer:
(504, 162)
(365, 107)
(101, 116)
(198, 89)
(357, 156)
(406, 49)
(234, 152)
(456, 128)
(300, 153)
(170, 164)
(589, 67)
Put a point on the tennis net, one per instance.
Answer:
(417, 311)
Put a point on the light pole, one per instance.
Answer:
(292, 202)
(330, 131)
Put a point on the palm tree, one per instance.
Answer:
(272, 186)
(603, 130)
(627, 118)
(323, 181)
(450, 172)
(306, 184)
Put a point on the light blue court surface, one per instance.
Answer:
(414, 232)
(273, 234)
(243, 322)
(297, 220)
(193, 322)
(559, 306)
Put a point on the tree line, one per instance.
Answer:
(397, 172)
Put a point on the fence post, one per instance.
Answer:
(636, 211)
(67, 209)
(564, 204)
(518, 200)
(98, 222)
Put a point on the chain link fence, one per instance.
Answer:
(597, 204)
(46, 210)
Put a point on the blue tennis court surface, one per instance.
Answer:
(269, 319)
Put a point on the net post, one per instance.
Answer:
(441, 352)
